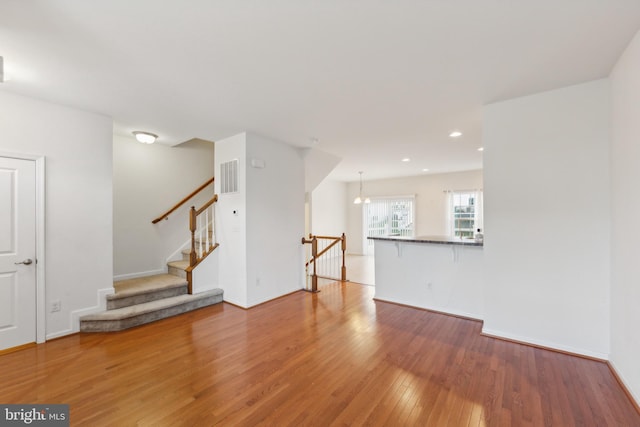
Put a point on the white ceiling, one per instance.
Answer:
(374, 81)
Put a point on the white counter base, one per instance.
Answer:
(440, 277)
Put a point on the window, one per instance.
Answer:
(465, 216)
(391, 216)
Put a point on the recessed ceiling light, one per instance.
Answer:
(425, 170)
(455, 134)
(406, 159)
(145, 137)
(481, 149)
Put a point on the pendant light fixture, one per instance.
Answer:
(358, 200)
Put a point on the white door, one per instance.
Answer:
(17, 252)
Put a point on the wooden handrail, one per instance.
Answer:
(206, 205)
(182, 202)
(326, 237)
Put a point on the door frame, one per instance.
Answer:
(41, 306)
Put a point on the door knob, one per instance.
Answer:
(25, 262)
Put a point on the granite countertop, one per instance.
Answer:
(441, 240)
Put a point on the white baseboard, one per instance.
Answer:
(234, 302)
(121, 277)
(74, 316)
(443, 310)
(546, 344)
(59, 334)
(625, 384)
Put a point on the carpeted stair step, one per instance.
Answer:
(146, 289)
(177, 268)
(139, 314)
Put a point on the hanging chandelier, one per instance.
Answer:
(358, 200)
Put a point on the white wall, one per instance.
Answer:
(79, 245)
(625, 154)
(275, 219)
(431, 201)
(317, 165)
(231, 219)
(547, 220)
(206, 275)
(147, 181)
(329, 208)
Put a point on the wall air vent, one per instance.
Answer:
(229, 177)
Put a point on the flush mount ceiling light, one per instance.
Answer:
(358, 200)
(455, 134)
(145, 137)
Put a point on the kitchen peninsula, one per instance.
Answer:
(433, 272)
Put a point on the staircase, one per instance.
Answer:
(147, 299)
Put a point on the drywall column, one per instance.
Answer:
(275, 218)
(547, 221)
(625, 152)
(260, 226)
(231, 219)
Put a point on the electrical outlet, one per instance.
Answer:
(56, 305)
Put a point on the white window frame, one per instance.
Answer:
(478, 222)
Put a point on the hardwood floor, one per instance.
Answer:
(332, 358)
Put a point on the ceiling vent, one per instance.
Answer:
(229, 177)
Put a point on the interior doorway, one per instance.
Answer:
(22, 315)
(17, 252)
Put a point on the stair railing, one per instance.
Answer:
(182, 202)
(325, 257)
(202, 226)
